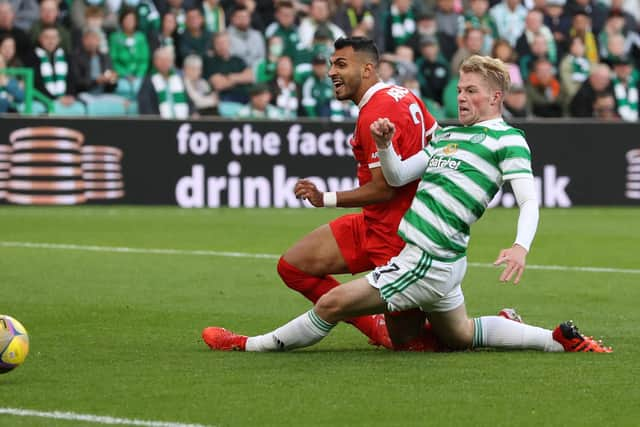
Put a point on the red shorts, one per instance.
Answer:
(360, 252)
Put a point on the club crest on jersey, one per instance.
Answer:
(478, 138)
(450, 149)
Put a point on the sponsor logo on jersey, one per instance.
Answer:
(444, 162)
(374, 155)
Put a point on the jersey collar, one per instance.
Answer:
(369, 93)
(490, 122)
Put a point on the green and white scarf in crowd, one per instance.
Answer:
(53, 74)
(172, 99)
(627, 97)
(213, 18)
(402, 25)
(580, 68)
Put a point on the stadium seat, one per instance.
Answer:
(37, 108)
(106, 107)
(75, 109)
(229, 109)
(450, 99)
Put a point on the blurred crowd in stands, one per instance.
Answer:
(269, 58)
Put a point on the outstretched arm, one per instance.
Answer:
(396, 171)
(375, 191)
(515, 257)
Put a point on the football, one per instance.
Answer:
(14, 343)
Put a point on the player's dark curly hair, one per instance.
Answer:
(359, 44)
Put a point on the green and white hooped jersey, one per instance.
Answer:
(467, 166)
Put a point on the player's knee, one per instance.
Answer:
(330, 307)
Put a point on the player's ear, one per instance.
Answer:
(496, 98)
(369, 70)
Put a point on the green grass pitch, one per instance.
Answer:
(118, 334)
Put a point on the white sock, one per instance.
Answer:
(303, 331)
(498, 332)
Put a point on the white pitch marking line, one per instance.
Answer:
(98, 419)
(117, 249)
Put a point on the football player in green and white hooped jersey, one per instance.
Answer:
(461, 170)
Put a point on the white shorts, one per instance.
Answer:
(414, 279)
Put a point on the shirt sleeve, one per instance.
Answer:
(525, 193)
(514, 158)
(399, 172)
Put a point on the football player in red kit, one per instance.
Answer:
(359, 242)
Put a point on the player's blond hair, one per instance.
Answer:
(491, 69)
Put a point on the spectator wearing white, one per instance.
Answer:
(163, 93)
(509, 17)
(284, 89)
(259, 106)
(319, 14)
(204, 99)
(246, 43)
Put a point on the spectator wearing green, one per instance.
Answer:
(285, 27)
(399, 24)
(317, 90)
(259, 106)
(130, 55)
(322, 45)
(478, 17)
(148, 16)
(625, 81)
(265, 70)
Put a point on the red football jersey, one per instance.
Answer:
(414, 126)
